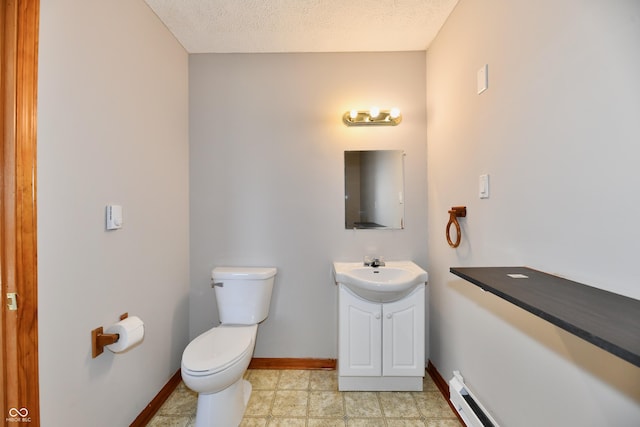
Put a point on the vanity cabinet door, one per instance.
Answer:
(403, 335)
(359, 336)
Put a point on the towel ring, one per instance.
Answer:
(454, 214)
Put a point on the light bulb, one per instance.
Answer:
(353, 114)
(374, 112)
(394, 113)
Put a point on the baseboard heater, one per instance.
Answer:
(471, 411)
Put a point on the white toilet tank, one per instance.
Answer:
(243, 294)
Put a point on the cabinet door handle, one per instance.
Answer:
(377, 316)
(389, 315)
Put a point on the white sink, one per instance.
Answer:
(381, 284)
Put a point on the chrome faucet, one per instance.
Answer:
(375, 262)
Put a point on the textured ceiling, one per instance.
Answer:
(225, 26)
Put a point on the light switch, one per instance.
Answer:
(483, 78)
(483, 186)
(114, 217)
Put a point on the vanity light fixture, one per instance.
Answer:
(373, 116)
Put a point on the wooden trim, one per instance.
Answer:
(440, 382)
(443, 386)
(6, 133)
(19, 28)
(291, 363)
(162, 396)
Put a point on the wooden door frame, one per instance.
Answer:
(19, 26)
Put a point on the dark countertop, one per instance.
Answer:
(607, 320)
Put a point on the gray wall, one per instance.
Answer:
(267, 179)
(558, 133)
(112, 128)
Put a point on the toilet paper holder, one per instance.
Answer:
(99, 339)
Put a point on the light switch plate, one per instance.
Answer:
(483, 186)
(483, 78)
(114, 217)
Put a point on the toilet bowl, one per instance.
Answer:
(214, 363)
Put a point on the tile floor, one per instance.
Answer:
(302, 398)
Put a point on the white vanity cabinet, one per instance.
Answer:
(359, 335)
(403, 336)
(381, 345)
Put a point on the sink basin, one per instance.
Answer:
(380, 284)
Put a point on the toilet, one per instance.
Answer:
(214, 363)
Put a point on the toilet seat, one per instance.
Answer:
(217, 349)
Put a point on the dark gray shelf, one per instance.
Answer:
(605, 319)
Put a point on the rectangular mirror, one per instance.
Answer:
(374, 189)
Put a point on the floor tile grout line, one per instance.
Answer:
(306, 423)
(379, 400)
(270, 415)
(345, 417)
(415, 402)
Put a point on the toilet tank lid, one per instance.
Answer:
(243, 273)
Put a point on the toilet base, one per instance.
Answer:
(224, 408)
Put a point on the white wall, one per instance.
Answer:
(558, 133)
(113, 128)
(267, 179)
